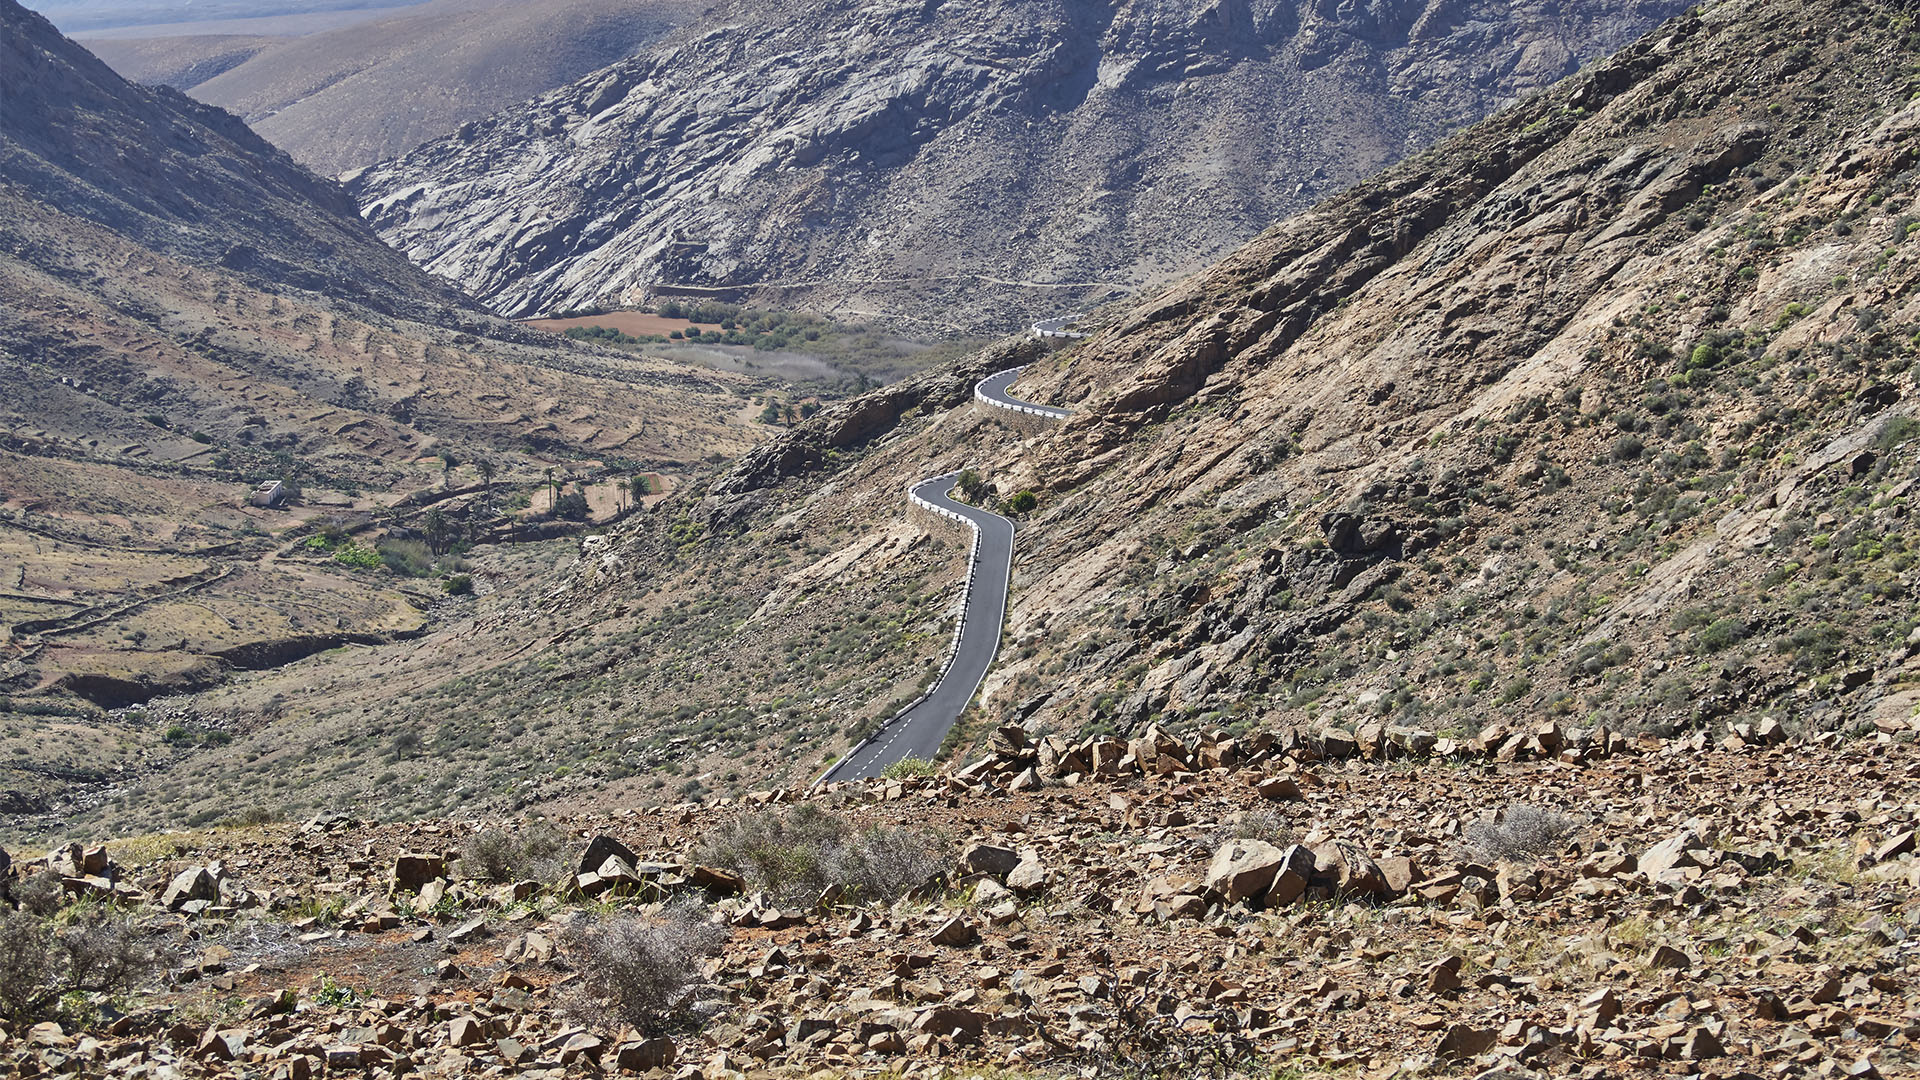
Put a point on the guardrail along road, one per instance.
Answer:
(918, 730)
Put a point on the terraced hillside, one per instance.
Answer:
(186, 314)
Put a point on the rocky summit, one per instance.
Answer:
(959, 166)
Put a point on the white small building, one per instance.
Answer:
(270, 493)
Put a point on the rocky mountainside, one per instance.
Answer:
(345, 98)
(1601, 412)
(185, 314)
(185, 179)
(962, 165)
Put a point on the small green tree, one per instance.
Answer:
(436, 527)
(973, 487)
(1023, 502)
(488, 470)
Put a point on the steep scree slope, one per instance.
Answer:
(963, 165)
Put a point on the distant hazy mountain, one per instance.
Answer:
(961, 164)
(183, 178)
(182, 61)
(347, 97)
(75, 15)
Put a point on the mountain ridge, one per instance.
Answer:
(952, 150)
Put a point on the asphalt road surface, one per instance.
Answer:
(995, 387)
(919, 732)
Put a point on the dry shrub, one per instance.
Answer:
(40, 894)
(1522, 833)
(1132, 1039)
(1268, 826)
(639, 969)
(807, 852)
(85, 949)
(537, 852)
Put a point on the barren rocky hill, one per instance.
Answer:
(185, 314)
(344, 98)
(957, 166)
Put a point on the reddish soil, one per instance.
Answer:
(636, 323)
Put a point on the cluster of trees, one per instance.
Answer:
(764, 330)
(777, 412)
(613, 337)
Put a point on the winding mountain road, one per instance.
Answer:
(993, 391)
(918, 730)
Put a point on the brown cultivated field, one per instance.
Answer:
(636, 323)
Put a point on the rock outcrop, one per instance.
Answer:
(964, 165)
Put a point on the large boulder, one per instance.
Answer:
(600, 849)
(412, 870)
(1029, 877)
(1290, 881)
(67, 859)
(1353, 871)
(991, 859)
(716, 880)
(1244, 868)
(194, 883)
(646, 1054)
(1671, 858)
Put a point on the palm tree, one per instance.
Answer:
(448, 463)
(436, 528)
(487, 470)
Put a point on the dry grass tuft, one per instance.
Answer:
(806, 853)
